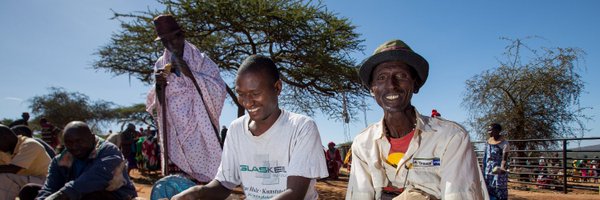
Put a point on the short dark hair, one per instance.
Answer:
(5, 131)
(22, 130)
(496, 126)
(78, 126)
(260, 63)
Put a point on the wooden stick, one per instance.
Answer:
(160, 92)
(191, 76)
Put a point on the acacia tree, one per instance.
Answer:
(61, 107)
(533, 94)
(310, 45)
(135, 113)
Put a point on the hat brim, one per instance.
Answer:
(166, 35)
(416, 61)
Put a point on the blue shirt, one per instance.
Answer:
(77, 178)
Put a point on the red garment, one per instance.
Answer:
(400, 144)
(435, 113)
(149, 151)
(334, 162)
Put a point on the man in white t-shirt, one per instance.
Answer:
(272, 153)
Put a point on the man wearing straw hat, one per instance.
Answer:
(408, 155)
(190, 98)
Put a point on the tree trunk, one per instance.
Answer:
(234, 99)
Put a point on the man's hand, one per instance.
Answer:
(189, 194)
(498, 170)
(296, 188)
(161, 77)
(212, 190)
(502, 170)
(58, 196)
(12, 169)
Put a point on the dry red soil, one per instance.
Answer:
(336, 189)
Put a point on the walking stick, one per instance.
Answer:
(160, 92)
(182, 64)
(207, 111)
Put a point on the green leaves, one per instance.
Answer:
(61, 107)
(310, 45)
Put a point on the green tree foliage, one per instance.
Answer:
(61, 107)
(310, 45)
(6, 121)
(533, 94)
(134, 114)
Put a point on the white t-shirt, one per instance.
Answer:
(261, 164)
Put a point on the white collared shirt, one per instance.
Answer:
(439, 161)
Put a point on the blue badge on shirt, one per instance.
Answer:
(426, 162)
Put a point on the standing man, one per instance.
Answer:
(194, 95)
(273, 153)
(23, 121)
(494, 161)
(426, 158)
(127, 145)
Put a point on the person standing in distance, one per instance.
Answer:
(494, 163)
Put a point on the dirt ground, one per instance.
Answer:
(336, 189)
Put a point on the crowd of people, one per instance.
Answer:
(87, 167)
(140, 148)
(270, 152)
(46, 164)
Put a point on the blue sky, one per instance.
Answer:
(51, 43)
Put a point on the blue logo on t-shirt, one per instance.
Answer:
(274, 170)
(426, 162)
